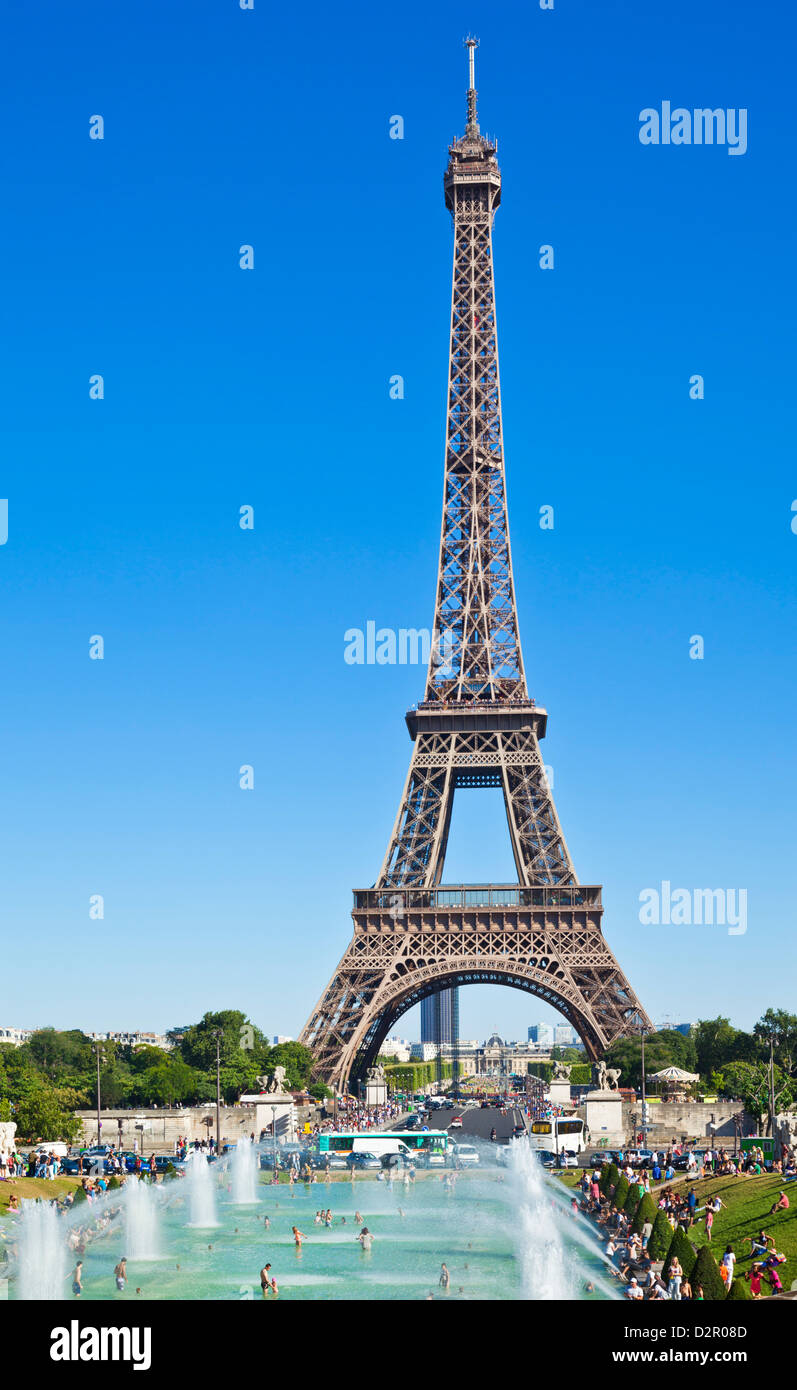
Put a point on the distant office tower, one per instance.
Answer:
(564, 1035)
(440, 1025)
(436, 1017)
(541, 1033)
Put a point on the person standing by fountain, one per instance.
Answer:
(77, 1279)
(298, 1237)
(120, 1274)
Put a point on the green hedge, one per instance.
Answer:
(681, 1246)
(706, 1273)
(659, 1242)
(646, 1211)
(413, 1076)
(620, 1193)
(580, 1072)
(544, 1070)
(739, 1291)
(609, 1178)
(632, 1200)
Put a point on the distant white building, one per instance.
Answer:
(423, 1051)
(396, 1047)
(564, 1035)
(16, 1036)
(281, 1038)
(137, 1039)
(541, 1033)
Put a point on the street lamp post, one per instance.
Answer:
(274, 1137)
(218, 1092)
(644, 1097)
(772, 1085)
(97, 1050)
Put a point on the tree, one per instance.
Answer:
(609, 1178)
(48, 1114)
(706, 1274)
(632, 1200)
(646, 1211)
(319, 1091)
(244, 1052)
(749, 1081)
(777, 1033)
(621, 1193)
(297, 1061)
(739, 1291)
(662, 1049)
(682, 1248)
(714, 1040)
(661, 1236)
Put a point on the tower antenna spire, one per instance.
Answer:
(472, 127)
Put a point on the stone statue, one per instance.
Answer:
(376, 1074)
(561, 1071)
(605, 1078)
(787, 1128)
(274, 1085)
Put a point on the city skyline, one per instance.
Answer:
(672, 514)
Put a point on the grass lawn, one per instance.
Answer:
(35, 1187)
(747, 1202)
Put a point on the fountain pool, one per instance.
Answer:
(504, 1234)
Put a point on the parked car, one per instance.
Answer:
(334, 1162)
(396, 1160)
(682, 1161)
(367, 1161)
(566, 1159)
(640, 1158)
(164, 1161)
(456, 1123)
(466, 1155)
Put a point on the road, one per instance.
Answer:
(477, 1123)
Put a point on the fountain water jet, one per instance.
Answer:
(243, 1171)
(142, 1234)
(201, 1191)
(546, 1264)
(42, 1253)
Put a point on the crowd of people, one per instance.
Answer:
(354, 1116)
(626, 1251)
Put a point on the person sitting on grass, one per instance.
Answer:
(759, 1245)
(782, 1204)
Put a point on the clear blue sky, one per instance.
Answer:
(270, 388)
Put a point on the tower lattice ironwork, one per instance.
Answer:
(476, 727)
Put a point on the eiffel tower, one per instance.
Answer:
(415, 936)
